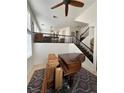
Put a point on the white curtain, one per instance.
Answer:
(29, 45)
(28, 20)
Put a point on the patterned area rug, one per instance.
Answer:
(35, 83)
(84, 82)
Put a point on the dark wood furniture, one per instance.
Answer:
(38, 37)
(71, 63)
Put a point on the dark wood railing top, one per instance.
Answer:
(54, 34)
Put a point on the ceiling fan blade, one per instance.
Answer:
(76, 3)
(66, 9)
(57, 5)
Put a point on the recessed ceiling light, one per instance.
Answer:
(55, 17)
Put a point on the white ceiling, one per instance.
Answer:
(44, 14)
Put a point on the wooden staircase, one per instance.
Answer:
(87, 53)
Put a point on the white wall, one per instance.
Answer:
(90, 16)
(64, 31)
(89, 37)
(41, 51)
(29, 65)
(77, 26)
(89, 66)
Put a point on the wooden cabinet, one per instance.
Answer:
(71, 62)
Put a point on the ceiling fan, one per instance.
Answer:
(69, 2)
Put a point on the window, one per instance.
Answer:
(28, 20)
(35, 28)
(29, 44)
(29, 38)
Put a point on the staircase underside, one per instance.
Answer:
(86, 53)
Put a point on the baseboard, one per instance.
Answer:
(90, 70)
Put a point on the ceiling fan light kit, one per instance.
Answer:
(69, 2)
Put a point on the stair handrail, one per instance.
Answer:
(84, 32)
(90, 50)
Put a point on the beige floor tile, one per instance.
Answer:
(35, 67)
